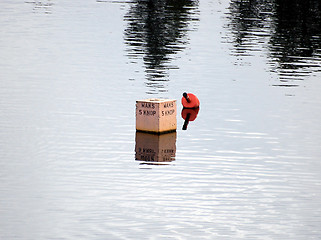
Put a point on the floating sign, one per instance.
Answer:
(156, 115)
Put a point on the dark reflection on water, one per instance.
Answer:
(288, 30)
(155, 31)
(250, 23)
(296, 43)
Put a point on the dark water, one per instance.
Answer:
(288, 32)
(71, 163)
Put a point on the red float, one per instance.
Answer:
(189, 100)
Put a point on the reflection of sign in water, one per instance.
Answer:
(44, 6)
(155, 148)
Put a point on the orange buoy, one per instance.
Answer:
(189, 100)
(189, 114)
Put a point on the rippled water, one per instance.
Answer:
(72, 165)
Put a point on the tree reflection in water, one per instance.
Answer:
(156, 30)
(288, 30)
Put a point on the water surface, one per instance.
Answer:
(248, 167)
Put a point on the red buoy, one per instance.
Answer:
(189, 100)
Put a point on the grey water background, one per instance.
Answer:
(248, 167)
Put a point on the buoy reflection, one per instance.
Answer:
(153, 148)
(189, 115)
